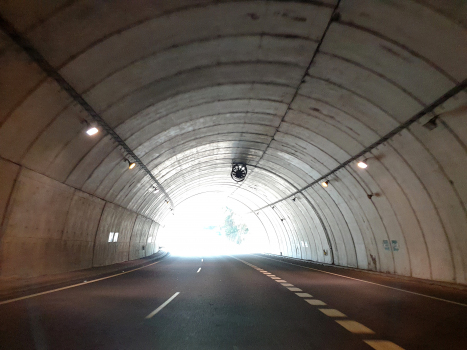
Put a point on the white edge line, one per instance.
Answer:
(72, 286)
(198, 270)
(162, 306)
(376, 284)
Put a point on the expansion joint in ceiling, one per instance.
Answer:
(334, 17)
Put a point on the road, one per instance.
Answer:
(236, 303)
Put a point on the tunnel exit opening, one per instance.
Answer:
(210, 225)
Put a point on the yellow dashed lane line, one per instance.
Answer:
(352, 326)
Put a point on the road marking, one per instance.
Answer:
(272, 276)
(352, 326)
(332, 312)
(376, 284)
(294, 289)
(383, 345)
(304, 295)
(355, 327)
(315, 302)
(162, 306)
(73, 286)
(198, 270)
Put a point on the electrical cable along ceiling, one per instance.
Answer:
(300, 92)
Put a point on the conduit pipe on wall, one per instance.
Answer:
(47, 68)
(428, 109)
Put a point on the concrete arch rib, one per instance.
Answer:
(285, 87)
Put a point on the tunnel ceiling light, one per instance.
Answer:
(325, 183)
(131, 165)
(92, 130)
(362, 164)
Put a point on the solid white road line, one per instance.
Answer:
(198, 270)
(162, 306)
(74, 285)
(376, 284)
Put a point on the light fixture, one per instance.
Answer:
(153, 189)
(90, 127)
(131, 165)
(92, 130)
(362, 164)
(325, 183)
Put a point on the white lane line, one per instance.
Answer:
(275, 278)
(287, 284)
(355, 327)
(383, 345)
(332, 312)
(73, 286)
(162, 306)
(294, 289)
(315, 302)
(198, 270)
(304, 295)
(376, 284)
(280, 281)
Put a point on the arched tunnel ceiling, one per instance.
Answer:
(292, 89)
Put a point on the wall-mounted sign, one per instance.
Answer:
(386, 244)
(394, 246)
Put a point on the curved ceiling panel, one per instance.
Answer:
(292, 89)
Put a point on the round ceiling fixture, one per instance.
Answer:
(238, 172)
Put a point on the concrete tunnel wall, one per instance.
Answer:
(286, 87)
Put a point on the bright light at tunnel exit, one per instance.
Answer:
(197, 229)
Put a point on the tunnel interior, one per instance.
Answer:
(298, 91)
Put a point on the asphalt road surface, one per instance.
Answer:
(236, 303)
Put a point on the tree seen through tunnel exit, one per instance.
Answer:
(234, 229)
